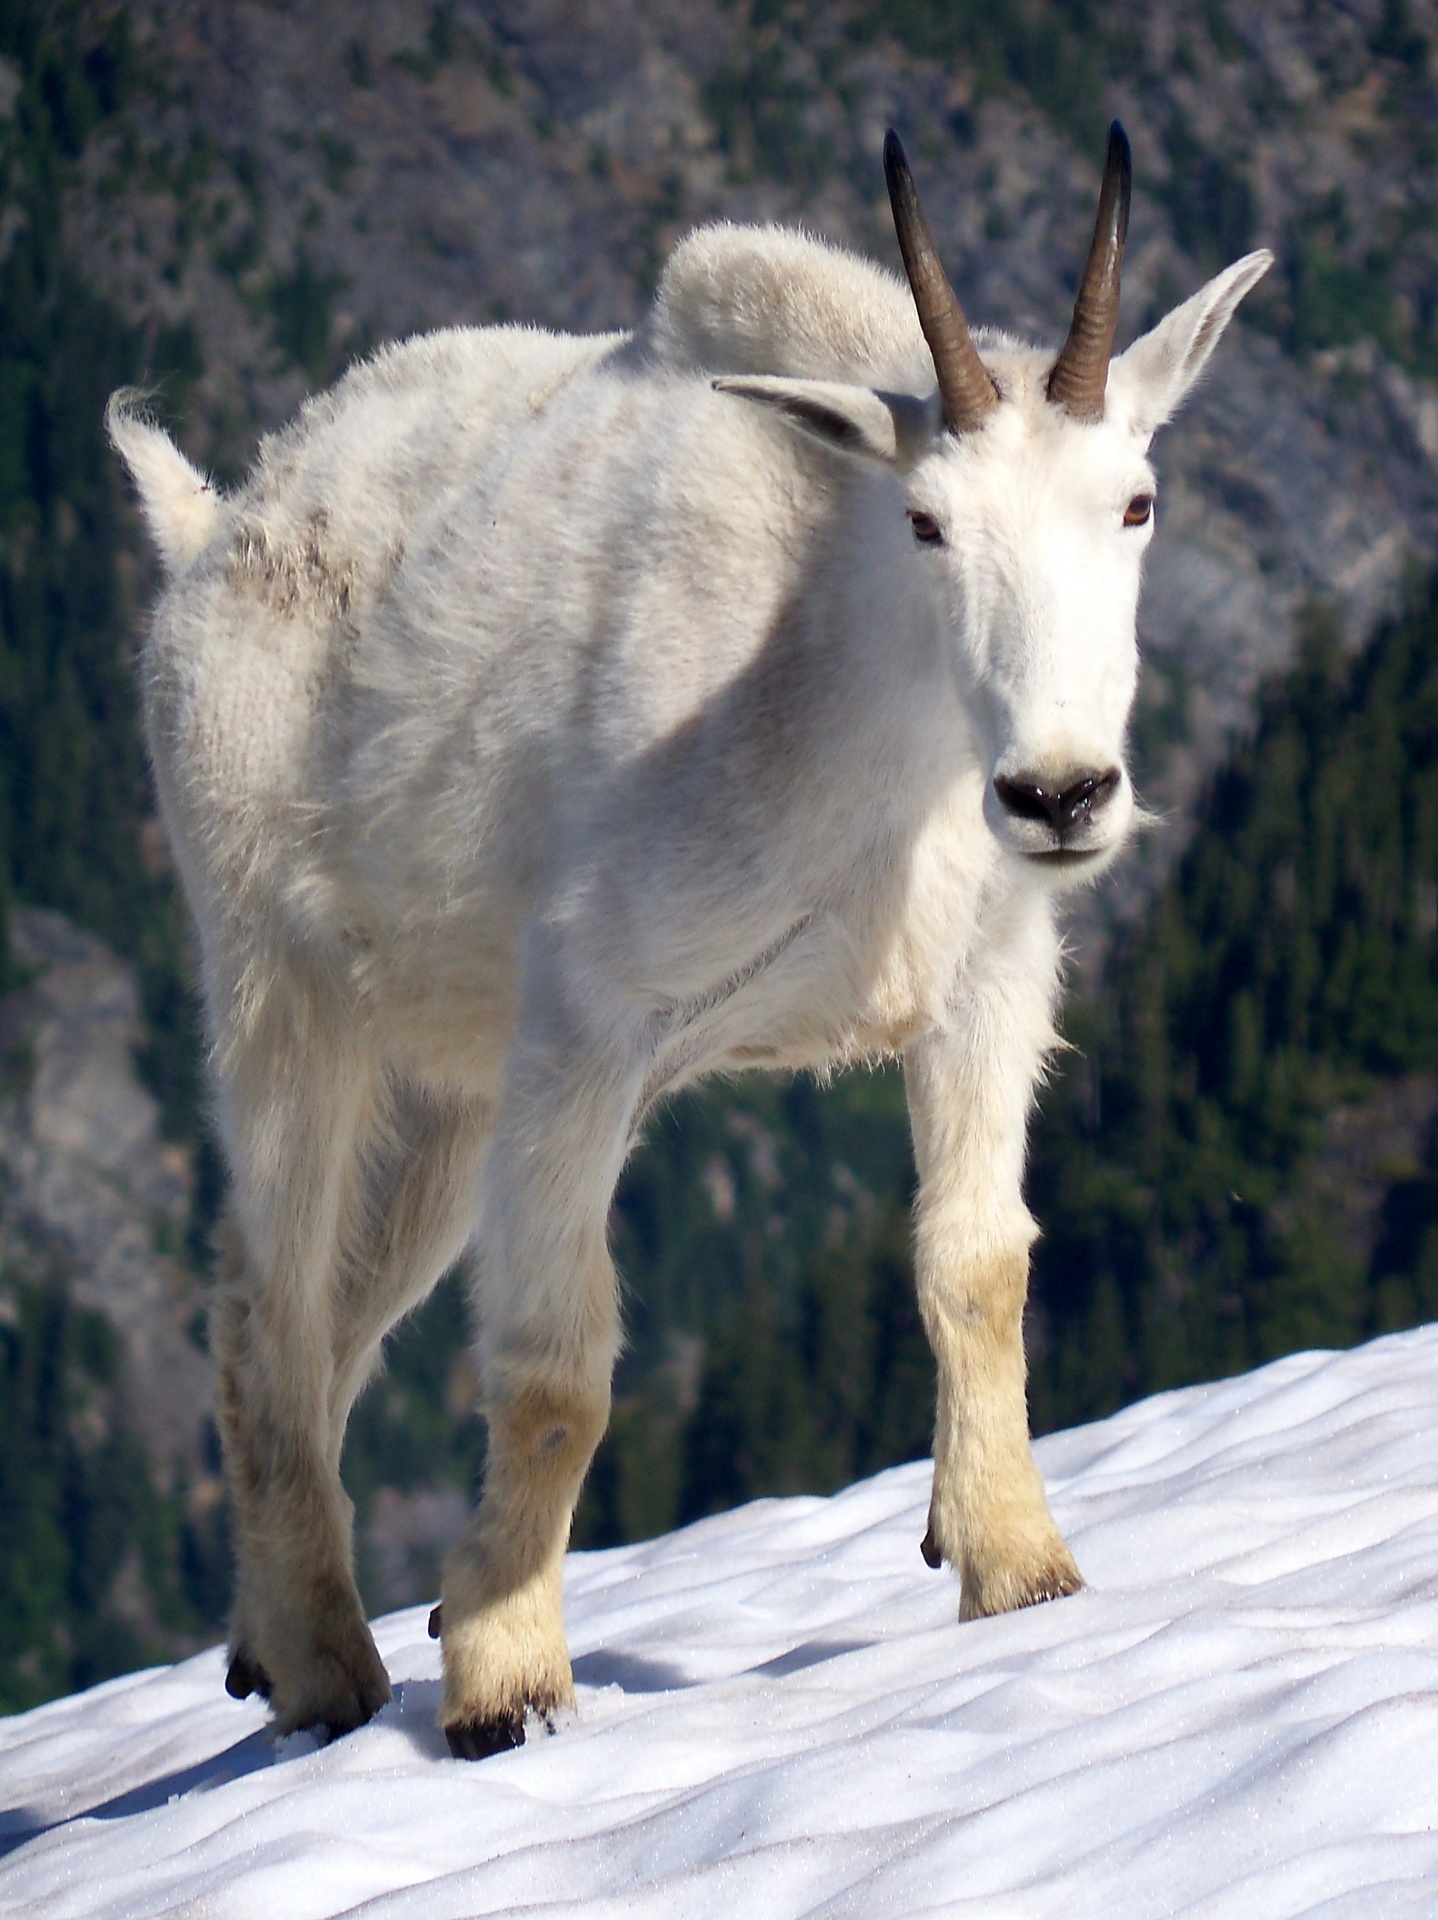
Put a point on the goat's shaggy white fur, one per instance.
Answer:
(540, 728)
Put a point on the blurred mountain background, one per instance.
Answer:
(228, 204)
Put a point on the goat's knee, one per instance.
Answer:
(503, 1616)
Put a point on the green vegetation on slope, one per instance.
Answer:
(763, 1234)
(1286, 975)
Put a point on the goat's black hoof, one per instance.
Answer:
(436, 1621)
(478, 1739)
(247, 1676)
(929, 1548)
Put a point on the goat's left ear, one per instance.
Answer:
(1150, 382)
(891, 428)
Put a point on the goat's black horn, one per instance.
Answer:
(1080, 374)
(965, 385)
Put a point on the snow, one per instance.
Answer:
(779, 1714)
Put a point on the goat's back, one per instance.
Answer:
(250, 640)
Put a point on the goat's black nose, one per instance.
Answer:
(1062, 808)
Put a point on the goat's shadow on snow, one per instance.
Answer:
(414, 1713)
(630, 1672)
(634, 1673)
(811, 1653)
(18, 1825)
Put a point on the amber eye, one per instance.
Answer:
(1139, 510)
(927, 530)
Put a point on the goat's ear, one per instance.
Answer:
(1151, 381)
(891, 428)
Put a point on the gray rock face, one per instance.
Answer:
(90, 1194)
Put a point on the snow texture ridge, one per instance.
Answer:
(779, 1714)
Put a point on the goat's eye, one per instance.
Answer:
(1139, 510)
(927, 530)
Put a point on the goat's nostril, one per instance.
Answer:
(1084, 798)
(1029, 800)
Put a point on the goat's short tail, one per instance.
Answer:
(179, 503)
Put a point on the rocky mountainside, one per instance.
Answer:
(89, 1191)
(111, 1547)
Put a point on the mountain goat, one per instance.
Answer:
(548, 722)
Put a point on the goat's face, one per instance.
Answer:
(1031, 502)
(1032, 531)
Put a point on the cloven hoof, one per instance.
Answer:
(478, 1739)
(247, 1676)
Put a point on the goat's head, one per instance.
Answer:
(1030, 502)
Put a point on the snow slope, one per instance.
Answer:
(779, 1714)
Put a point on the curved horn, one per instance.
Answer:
(965, 384)
(1080, 374)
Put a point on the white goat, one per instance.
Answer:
(549, 722)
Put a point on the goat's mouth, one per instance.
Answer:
(1067, 857)
(1068, 866)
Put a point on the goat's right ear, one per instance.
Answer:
(891, 428)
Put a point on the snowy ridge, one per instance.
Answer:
(780, 1716)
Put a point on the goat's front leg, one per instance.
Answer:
(970, 1088)
(549, 1334)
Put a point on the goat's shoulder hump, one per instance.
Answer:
(745, 299)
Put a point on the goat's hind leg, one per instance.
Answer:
(291, 1105)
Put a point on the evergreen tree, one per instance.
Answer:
(1290, 965)
(810, 1402)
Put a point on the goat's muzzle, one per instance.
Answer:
(1070, 808)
